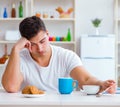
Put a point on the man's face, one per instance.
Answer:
(40, 44)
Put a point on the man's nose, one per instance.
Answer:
(40, 47)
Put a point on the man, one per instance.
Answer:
(33, 61)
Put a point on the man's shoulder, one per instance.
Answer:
(61, 51)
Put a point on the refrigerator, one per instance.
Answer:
(98, 55)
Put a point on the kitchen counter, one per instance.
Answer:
(57, 100)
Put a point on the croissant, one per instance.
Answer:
(31, 90)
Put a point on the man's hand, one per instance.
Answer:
(108, 83)
(23, 43)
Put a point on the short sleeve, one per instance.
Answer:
(72, 61)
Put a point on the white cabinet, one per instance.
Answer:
(98, 56)
(96, 46)
(103, 69)
(117, 32)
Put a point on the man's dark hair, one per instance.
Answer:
(30, 26)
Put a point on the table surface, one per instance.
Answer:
(76, 98)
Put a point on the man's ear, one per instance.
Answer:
(47, 32)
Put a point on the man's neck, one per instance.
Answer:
(45, 59)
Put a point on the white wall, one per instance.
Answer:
(90, 9)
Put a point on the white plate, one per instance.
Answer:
(32, 95)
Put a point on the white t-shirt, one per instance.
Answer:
(62, 62)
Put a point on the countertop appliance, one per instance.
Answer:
(98, 55)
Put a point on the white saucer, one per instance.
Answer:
(33, 95)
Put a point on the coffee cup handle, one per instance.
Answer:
(75, 84)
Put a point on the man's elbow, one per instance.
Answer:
(10, 88)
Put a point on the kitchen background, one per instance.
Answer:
(84, 11)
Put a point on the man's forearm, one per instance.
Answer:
(93, 81)
(12, 76)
